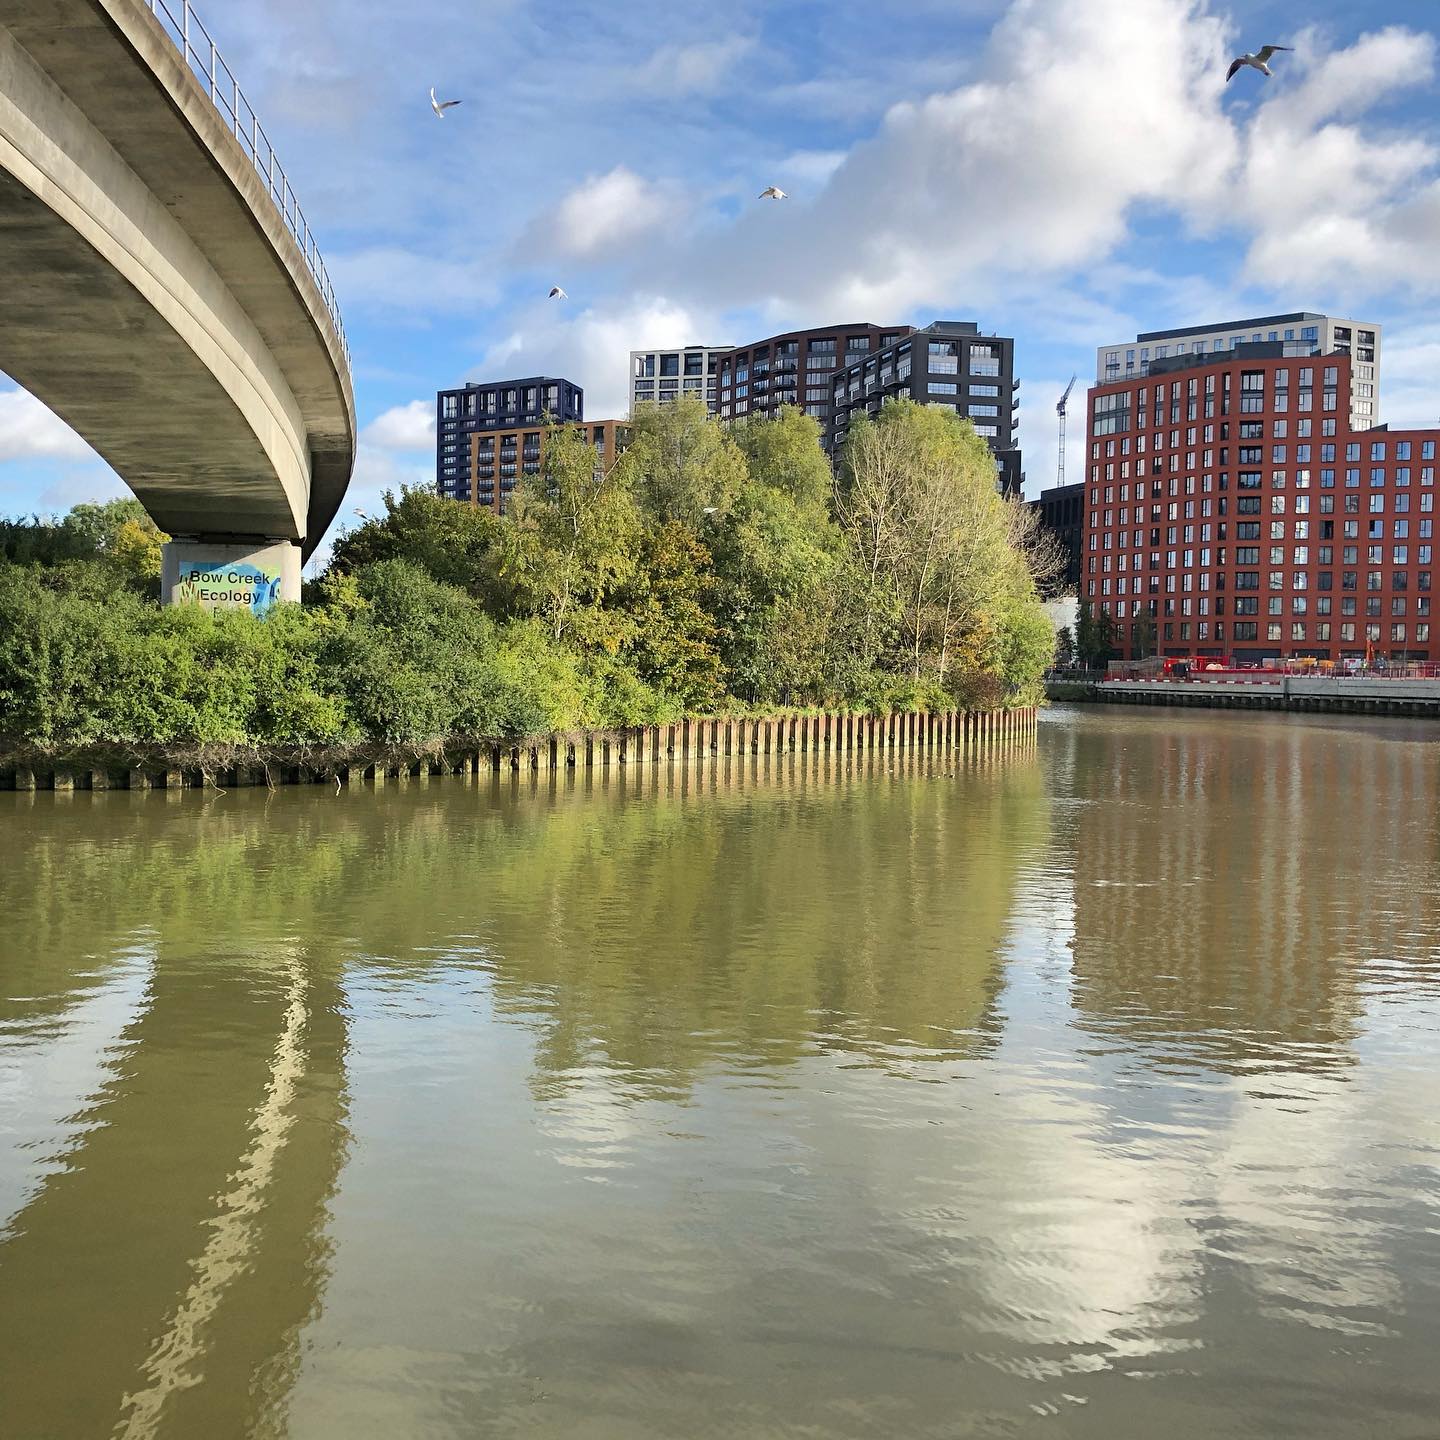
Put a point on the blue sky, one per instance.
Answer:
(1066, 171)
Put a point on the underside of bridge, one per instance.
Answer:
(150, 291)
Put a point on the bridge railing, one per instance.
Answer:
(189, 35)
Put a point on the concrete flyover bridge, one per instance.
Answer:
(160, 289)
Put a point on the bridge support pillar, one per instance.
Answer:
(230, 575)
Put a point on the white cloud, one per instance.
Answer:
(1349, 206)
(1410, 370)
(602, 213)
(698, 69)
(1050, 166)
(29, 430)
(1040, 171)
(80, 484)
(1026, 171)
(1041, 426)
(591, 346)
(377, 471)
(983, 198)
(403, 427)
(813, 167)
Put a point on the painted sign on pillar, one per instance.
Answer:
(228, 587)
(221, 576)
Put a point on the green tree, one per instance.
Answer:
(1094, 636)
(570, 543)
(947, 586)
(414, 663)
(777, 555)
(455, 543)
(1145, 637)
(82, 663)
(117, 534)
(680, 463)
(136, 551)
(782, 451)
(96, 528)
(673, 646)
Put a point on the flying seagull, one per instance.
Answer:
(441, 106)
(556, 293)
(773, 192)
(1260, 61)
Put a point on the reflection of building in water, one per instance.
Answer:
(156, 1281)
(1232, 878)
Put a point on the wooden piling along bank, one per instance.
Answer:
(698, 742)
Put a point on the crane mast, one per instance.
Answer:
(1060, 410)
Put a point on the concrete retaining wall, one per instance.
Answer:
(1344, 695)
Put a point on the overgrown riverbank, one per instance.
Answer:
(706, 571)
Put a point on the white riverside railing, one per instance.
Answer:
(190, 37)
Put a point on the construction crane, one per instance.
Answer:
(1060, 411)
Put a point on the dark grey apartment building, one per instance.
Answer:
(476, 409)
(948, 363)
(796, 368)
(1062, 514)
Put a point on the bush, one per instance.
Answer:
(415, 661)
(81, 666)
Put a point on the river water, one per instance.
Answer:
(1088, 1090)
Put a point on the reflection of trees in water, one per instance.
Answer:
(1236, 881)
(177, 1251)
(755, 926)
(742, 916)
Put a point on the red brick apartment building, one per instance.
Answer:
(1231, 510)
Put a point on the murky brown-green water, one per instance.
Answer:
(1087, 1092)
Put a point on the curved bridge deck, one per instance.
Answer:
(156, 294)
